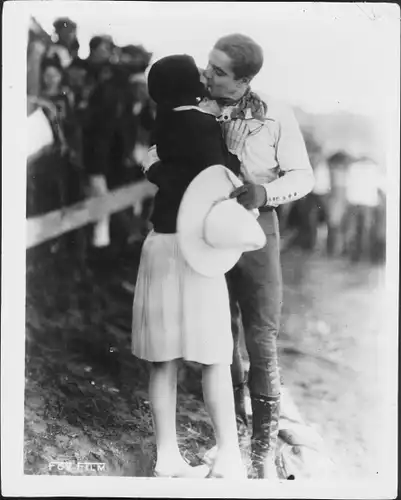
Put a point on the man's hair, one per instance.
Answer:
(51, 62)
(245, 54)
(97, 40)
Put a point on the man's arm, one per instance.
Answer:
(292, 157)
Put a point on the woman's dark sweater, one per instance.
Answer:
(187, 142)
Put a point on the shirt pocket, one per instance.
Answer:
(259, 153)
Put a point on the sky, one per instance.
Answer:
(323, 57)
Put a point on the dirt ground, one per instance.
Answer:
(85, 397)
(333, 319)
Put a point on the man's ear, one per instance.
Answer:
(243, 81)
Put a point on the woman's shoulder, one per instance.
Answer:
(195, 112)
(195, 117)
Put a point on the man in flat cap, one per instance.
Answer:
(66, 45)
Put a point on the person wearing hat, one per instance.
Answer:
(265, 137)
(66, 46)
(102, 139)
(138, 119)
(181, 304)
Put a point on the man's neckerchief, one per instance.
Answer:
(250, 100)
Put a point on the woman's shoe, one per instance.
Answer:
(228, 473)
(184, 471)
(210, 456)
(227, 467)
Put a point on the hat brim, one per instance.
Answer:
(211, 185)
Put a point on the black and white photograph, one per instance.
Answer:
(200, 251)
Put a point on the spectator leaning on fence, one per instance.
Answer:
(137, 121)
(109, 132)
(98, 122)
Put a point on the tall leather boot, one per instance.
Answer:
(239, 402)
(244, 436)
(265, 423)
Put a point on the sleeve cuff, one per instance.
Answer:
(291, 187)
(150, 158)
(274, 199)
(269, 200)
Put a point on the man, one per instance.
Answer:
(138, 119)
(309, 212)
(362, 207)
(109, 135)
(98, 131)
(338, 164)
(266, 138)
(67, 45)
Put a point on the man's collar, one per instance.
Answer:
(228, 101)
(250, 106)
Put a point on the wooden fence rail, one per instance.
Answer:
(46, 227)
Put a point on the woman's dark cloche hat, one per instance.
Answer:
(174, 80)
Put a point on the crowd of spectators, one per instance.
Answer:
(99, 110)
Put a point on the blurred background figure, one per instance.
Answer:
(364, 190)
(66, 45)
(118, 116)
(77, 81)
(53, 90)
(101, 51)
(38, 43)
(320, 196)
(139, 115)
(304, 216)
(337, 203)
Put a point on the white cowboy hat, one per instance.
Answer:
(214, 230)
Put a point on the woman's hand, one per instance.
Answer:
(235, 133)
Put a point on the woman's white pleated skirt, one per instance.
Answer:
(178, 313)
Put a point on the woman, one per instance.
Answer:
(174, 310)
(56, 93)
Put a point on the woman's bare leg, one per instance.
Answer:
(163, 399)
(219, 400)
